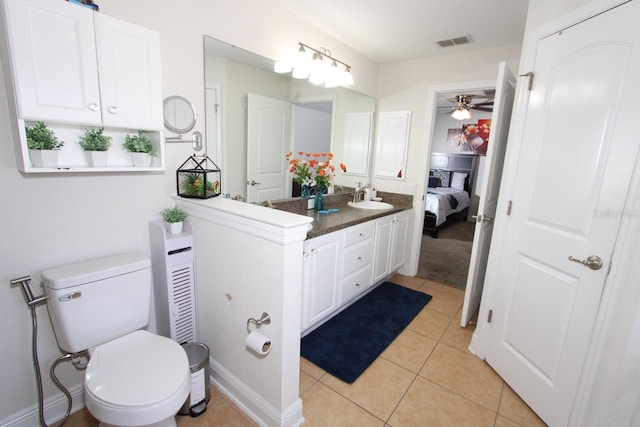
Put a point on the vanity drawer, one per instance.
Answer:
(355, 284)
(357, 257)
(359, 233)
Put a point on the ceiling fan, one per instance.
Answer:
(464, 104)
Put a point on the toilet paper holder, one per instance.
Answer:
(264, 320)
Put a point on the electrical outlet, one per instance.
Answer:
(310, 203)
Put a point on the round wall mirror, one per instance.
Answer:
(179, 114)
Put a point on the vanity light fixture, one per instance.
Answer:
(317, 65)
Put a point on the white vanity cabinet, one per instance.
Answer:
(356, 261)
(320, 277)
(390, 244)
(341, 266)
(74, 66)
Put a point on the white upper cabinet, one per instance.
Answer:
(72, 65)
(54, 65)
(129, 71)
(357, 140)
(392, 140)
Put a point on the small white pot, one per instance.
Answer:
(44, 158)
(96, 158)
(175, 227)
(141, 159)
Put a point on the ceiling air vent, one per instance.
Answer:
(454, 41)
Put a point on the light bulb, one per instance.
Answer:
(461, 114)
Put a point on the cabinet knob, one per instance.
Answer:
(359, 258)
(357, 285)
(94, 107)
(113, 109)
(314, 251)
(305, 254)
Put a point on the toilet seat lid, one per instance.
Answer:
(137, 369)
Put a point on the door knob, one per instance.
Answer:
(594, 262)
(254, 183)
(482, 218)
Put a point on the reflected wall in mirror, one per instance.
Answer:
(255, 116)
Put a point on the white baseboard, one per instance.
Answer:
(54, 409)
(253, 404)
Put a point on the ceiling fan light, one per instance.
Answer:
(461, 114)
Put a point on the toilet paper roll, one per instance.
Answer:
(259, 343)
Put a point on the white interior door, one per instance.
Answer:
(500, 120)
(577, 146)
(268, 141)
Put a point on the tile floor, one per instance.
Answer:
(426, 377)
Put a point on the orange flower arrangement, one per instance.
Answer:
(314, 170)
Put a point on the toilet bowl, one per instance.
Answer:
(140, 379)
(133, 378)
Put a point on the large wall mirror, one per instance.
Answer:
(255, 116)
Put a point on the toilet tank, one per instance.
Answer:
(96, 301)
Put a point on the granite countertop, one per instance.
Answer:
(346, 216)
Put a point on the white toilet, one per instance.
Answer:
(134, 378)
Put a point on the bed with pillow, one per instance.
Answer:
(448, 193)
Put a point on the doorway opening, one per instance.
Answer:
(457, 155)
(474, 169)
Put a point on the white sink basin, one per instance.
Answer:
(370, 204)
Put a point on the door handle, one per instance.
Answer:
(254, 183)
(594, 262)
(482, 218)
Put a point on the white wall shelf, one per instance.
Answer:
(107, 75)
(73, 159)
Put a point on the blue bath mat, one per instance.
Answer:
(348, 343)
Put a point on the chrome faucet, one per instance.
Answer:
(358, 195)
(268, 204)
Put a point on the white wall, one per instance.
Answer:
(56, 219)
(405, 85)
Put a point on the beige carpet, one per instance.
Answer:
(446, 259)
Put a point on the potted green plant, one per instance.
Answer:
(140, 147)
(174, 217)
(43, 145)
(95, 144)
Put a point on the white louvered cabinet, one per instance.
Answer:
(174, 290)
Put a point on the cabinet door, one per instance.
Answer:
(384, 227)
(400, 228)
(320, 292)
(392, 141)
(53, 61)
(357, 142)
(130, 76)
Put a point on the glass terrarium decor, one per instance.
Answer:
(198, 177)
